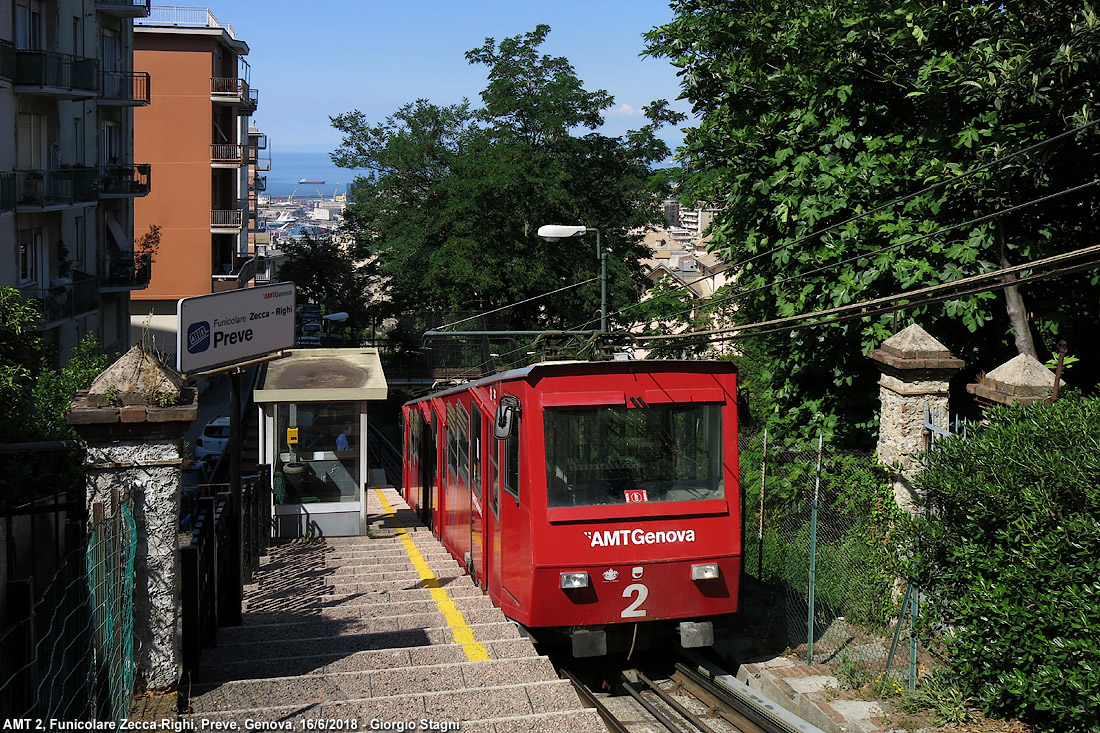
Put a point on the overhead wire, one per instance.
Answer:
(888, 205)
(817, 233)
(864, 255)
(952, 286)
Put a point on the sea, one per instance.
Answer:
(288, 168)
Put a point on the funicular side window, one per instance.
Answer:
(511, 461)
(614, 455)
(475, 450)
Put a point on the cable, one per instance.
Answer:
(1091, 264)
(857, 217)
(932, 289)
(862, 255)
(522, 302)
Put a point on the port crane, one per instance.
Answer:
(301, 182)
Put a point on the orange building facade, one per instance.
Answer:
(195, 134)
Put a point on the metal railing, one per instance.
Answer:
(211, 592)
(183, 16)
(257, 141)
(49, 69)
(229, 88)
(262, 164)
(124, 180)
(384, 455)
(67, 299)
(7, 59)
(129, 8)
(230, 153)
(128, 269)
(7, 191)
(226, 218)
(124, 87)
(61, 187)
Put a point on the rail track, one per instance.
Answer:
(693, 697)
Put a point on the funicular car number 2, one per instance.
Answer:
(632, 611)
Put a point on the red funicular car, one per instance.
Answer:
(588, 497)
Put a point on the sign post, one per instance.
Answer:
(223, 329)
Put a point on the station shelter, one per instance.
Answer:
(313, 434)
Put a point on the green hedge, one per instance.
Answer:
(1010, 554)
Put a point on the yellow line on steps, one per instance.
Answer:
(464, 635)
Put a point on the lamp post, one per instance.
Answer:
(555, 232)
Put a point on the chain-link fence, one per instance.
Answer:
(66, 642)
(817, 529)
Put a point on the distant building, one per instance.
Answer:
(68, 176)
(209, 159)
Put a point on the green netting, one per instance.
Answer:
(816, 539)
(69, 655)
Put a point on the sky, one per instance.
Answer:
(314, 60)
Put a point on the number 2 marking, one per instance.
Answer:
(632, 611)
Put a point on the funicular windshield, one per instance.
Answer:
(616, 455)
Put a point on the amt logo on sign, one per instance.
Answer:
(198, 337)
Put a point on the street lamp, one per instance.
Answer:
(555, 232)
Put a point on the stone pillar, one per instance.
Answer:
(916, 370)
(1021, 379)
(132, 421)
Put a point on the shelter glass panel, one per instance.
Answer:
(318, 454)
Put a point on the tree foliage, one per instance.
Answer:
(1010, 557)
(816, 112)
(327, 273)
(450, 197)
(36, 399)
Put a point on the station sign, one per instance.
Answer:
(233, 326)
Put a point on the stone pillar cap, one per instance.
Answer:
(915, 348)
(1022, 378)
(139, 377)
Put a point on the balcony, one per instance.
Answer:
(124, 89)
(257, 141)
(7, 59)
(229, 90)
(65, 299)
(261, 164)
(56, 74)
(257, 183)
(226, 155)
(226, 221)
(127, 270)
(7, 191)
(48, 190)
(124, 8)
(124, 181)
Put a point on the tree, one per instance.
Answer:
(815, 112)
(451, 197)
(327, 273)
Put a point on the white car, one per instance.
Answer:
(214, 438)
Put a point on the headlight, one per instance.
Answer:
(574, 580)
(705, 571)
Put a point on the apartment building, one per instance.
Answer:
(196, 134)
(68, 176)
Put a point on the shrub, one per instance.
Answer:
(1010, 554)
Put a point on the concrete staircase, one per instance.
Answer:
(346, 629)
